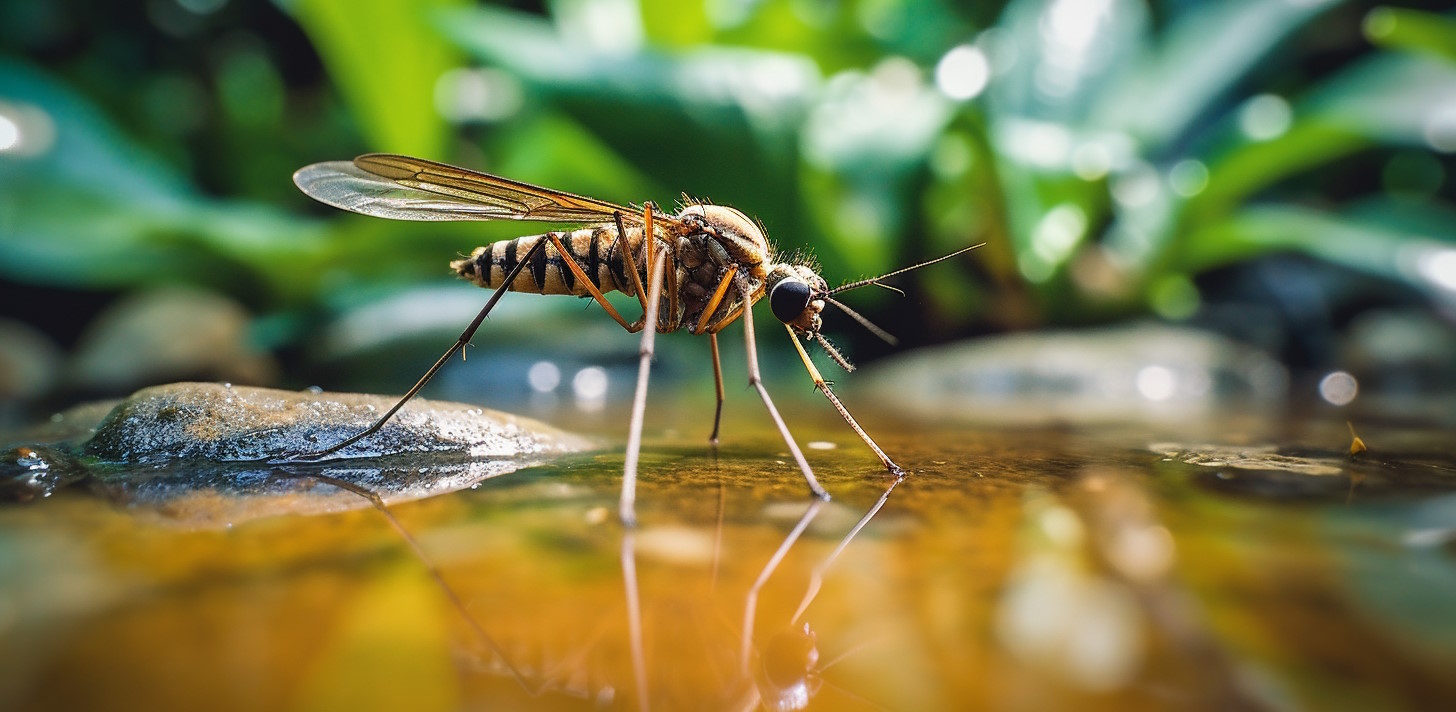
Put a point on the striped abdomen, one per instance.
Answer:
(595, 249)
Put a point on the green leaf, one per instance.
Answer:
(1412, 30)
(1367, 240)
(386, 58)
(1201, 56)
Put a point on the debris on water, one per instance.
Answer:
(28, 473)
(1253, 457)
(1357, 445)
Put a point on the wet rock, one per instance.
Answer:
(216, 422)
(167, 334)
(206, 454)
(1145, 372)
(28, 366)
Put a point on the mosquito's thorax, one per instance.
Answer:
(717, 239)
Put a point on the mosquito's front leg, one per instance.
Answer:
(755, 379)
(627, 509)
(823, 387)
(718, 390)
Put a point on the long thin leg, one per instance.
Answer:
(460, 343)
(755, 379)
(627, 509)
(823, 387)
(718, 385)
(631, 262)
(592, 289)
(715, 300)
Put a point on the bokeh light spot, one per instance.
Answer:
(9, 133)
(1156, 383)
(1338, 388)
(1440, 129)
(1265, 117)
(590, 384)
(543, 376)
(1188, 177)
(963, 72)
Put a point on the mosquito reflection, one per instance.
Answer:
(788, 674)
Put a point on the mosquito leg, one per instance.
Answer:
(823, 387)
(755, 379)
(631, 262)
(591, 288)
(460, 343)
(718, 383)
(627, 509)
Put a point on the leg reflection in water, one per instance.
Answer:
(783, 671)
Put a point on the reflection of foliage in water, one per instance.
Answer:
(1109, 153)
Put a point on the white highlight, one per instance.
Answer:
(590, 384)
(1188, 177)
(1157, 383)
(543, 376)
(1265, 117)
(9, 133)
(1440, 129)
(1439, 266)
(963, 72)
(1339, 388)
(478, 95)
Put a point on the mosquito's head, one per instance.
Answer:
(796, 295)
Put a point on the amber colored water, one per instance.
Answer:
(1014, 569)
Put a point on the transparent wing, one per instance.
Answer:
(404, 188)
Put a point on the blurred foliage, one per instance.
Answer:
(1114, 155)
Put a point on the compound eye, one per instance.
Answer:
(788, 299)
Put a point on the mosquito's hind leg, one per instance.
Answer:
(755, 379)
(460, 343)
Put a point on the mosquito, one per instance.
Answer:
(699, 271)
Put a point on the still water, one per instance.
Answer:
(1020, 568)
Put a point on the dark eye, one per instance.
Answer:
(788, 299)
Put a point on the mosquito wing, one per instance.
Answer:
(403, 188)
